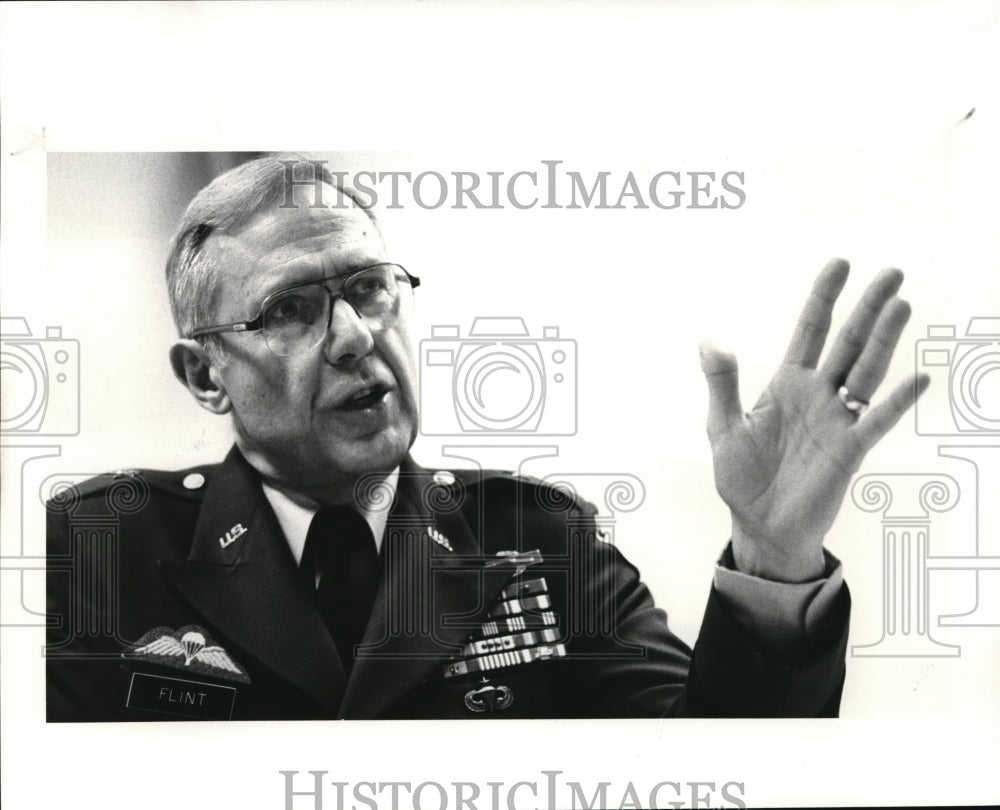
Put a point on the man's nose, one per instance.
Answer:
(349, 337)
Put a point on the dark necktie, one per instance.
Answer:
(340, 547)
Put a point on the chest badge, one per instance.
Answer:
(488, 698)
(189, 649)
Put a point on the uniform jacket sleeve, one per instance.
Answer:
(628, 661)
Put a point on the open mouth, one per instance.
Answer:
(365, 398)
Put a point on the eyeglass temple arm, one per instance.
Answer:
(242, 326)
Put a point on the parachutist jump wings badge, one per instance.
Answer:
(188, 649)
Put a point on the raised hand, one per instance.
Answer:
(783, 468)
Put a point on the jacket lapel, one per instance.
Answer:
(429, 598)
(251, 590)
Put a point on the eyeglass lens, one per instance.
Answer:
(296, 320)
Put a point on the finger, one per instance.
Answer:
(722, 374)
(880, 419)
(814, 322)
(854, 333)
(868, 372)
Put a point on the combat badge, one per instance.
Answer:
(189, 650)
(488, 698)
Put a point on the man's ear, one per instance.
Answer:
(193, 366)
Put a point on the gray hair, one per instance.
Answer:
(225, 205)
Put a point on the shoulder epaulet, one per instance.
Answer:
(473, 477)
(189, 483)
(550, 497)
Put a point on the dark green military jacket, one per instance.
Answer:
(174, 595)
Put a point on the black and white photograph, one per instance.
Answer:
(618, 383)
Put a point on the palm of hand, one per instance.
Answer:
(783, 468)
(786, 465)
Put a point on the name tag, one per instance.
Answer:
(205, 701)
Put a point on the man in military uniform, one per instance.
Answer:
(319, 572)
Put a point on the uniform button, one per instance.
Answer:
(444, 478)
(193, 481)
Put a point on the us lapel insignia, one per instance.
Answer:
(232, 535)
(189, 649)
(488, 698)
(439, 538)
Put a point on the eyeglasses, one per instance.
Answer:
(297, 319)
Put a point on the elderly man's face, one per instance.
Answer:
(318, 420)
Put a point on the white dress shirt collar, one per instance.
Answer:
(295, 515)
